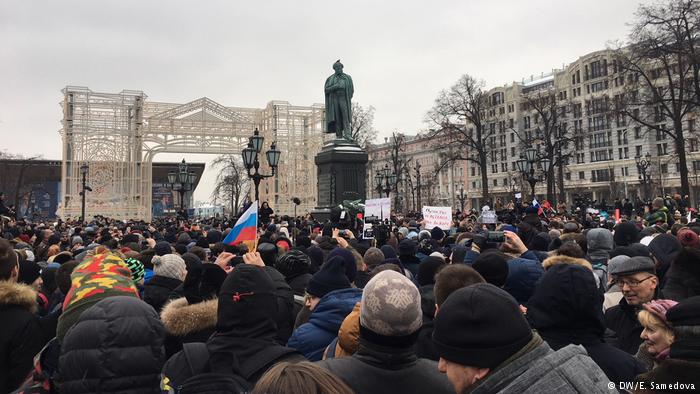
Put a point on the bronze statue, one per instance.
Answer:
(339, 91)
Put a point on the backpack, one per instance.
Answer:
(206, 378)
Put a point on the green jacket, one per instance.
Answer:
(660, 215)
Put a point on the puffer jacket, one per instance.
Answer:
(539, 369)
(20, 333)
(185, 323)
(347, 342)
(115, 347)
(382, 369)
(312, 337)
(523, 274)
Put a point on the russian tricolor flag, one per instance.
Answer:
(245, 230)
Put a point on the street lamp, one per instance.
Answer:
(386, 180)
(182, 181)
(250, 159)
(83, 172)
(527, 165)
(644, 171)
(462, 198)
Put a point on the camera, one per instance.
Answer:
(496, 236)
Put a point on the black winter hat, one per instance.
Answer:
(214, 236)
(191, 261)
(348, 261)
(665, 247)
(685, 313)
(247, 304)
(28, 272)
(203, 282)
(162, 248)
(293, 264)
(55, 239)
(480, 326)
(407, 247)
(268, 253)
(626, 233)
(436, 233)
(389, 251)
(427, 270)
(330, 277)
(493, 267)
(129, 238)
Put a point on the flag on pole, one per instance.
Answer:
(245, 229)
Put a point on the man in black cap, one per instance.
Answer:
(638, 282)
(486, 346)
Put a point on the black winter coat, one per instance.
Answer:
(115, 347)
(185, 323)
(381, 369)
(285, 305)
(682, 280)
(622, 320)
(567, 308)
(425, 347)
(21, 337)
(157, 291)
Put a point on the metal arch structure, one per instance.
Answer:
(119, 134)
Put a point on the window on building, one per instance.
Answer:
(696, 165)
(664, 168)
(625, 171)
(691, 125)
(637, 132)
(495, 182)
(567, 176)
(638, 151)
(505, 182)
(661, 149)
(526, 122)
(581, 175)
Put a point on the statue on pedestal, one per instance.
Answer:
(339, 91)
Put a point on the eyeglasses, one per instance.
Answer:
(631, 282)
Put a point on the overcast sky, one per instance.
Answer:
(400, 54)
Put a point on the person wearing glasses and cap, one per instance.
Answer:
(638, 282)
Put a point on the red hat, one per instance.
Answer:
(688, 237)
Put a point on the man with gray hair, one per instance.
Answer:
(386, 361)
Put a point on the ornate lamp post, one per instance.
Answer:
(83, 173)
(251, 162)
(462, 198)
(386, 180)
(182, 181)
(644, 170)
(527, 166)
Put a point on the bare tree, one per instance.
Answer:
(460, 113)
(551, 135)
(661, 63)
(231, 183)
(363, 131)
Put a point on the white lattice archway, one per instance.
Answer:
(119, 134)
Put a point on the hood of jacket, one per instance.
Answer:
(181, 318)
(561, 259)
(349, 334)
(17, 294)
(334, 307)
(567, 307)
(600, 243)
(543, 370)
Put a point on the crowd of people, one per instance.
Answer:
(543, 300)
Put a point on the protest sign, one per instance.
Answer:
(379, 207)
(437, 217)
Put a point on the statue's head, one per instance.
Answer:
(338, 66)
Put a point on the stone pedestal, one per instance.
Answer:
(342, 175)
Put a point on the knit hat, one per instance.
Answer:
(191, 261)
(665, 247)
(407, 247)
(137, 269)
(162, 248)
(349, 262)
(659, 308)
(169, 266)
(389, 251)
(203, 282)
(424, 234)
(28, 272)
(390, 305)
(685, 313)
(436, 233)
(331, 277)
(293, 264)
(688, 238)
(427, 270)
(268, 253)
(493, 267)
(480, 326)
(184, 238)
(76, 240)
(626, 233)
(98, 277)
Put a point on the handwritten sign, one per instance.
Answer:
(437, 217)
(379, 207)
(488, 217)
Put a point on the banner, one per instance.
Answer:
(379, 207)
(437, 217)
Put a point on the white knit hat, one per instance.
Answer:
(169, 266)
